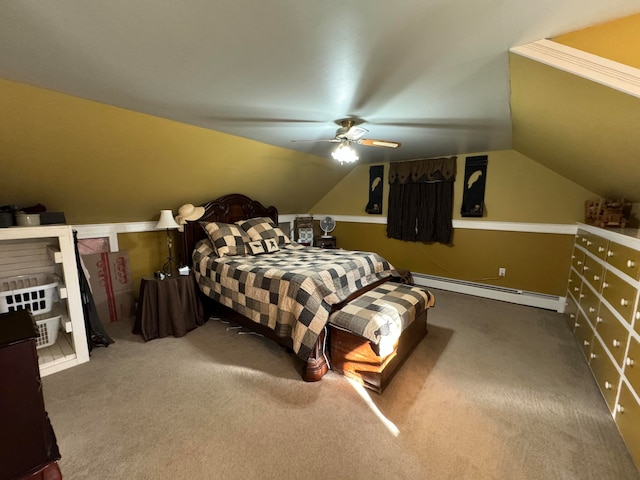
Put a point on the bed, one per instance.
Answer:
(275, 287)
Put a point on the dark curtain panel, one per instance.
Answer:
(421, 200)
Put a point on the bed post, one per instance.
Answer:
(317, 364)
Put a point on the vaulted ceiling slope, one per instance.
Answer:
(433, 76)
(583, 124)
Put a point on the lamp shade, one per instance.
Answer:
(166, 220)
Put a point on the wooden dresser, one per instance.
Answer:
(29, 449)
(603, 312)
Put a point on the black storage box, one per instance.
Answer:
(6, 219)
(51, 218)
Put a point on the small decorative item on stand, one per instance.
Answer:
(167, 222)
(304, 226)
(607, 213)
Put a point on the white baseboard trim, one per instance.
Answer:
(556, 228)
(511, 295)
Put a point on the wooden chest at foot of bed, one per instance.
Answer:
(354, 356)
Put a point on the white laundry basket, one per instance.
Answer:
(47, 331)
(33, 292)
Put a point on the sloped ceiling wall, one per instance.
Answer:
(585, 131)
(101, 164)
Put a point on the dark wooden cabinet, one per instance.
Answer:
(29, 448)
(326, 242)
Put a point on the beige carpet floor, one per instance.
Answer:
(495, 391)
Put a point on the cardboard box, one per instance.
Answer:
(111, 285)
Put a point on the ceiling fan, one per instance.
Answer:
(349, 132)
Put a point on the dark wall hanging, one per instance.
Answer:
(475, 179)
(376, 174)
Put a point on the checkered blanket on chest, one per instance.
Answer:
(382, 314)
(292, 290)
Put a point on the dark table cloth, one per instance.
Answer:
(168, 307)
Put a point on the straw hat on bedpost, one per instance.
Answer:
(188, 212)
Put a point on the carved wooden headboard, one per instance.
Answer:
(227, 209)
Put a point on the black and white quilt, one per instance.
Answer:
(291, 290)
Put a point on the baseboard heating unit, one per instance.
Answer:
(512, 295)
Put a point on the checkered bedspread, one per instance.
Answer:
(382, 314)
(291, 290)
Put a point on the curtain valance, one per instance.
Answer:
(423, 171)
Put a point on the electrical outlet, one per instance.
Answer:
(502, 272)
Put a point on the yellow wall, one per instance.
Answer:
(617, 40)
(517, 190)
(597, 129)
(534, 262)
(100, 164)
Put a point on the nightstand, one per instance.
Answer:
(168, 307)
(326, 242)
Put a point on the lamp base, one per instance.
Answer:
(170, 268)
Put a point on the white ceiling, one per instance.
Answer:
(431, 74)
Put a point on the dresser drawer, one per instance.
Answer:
(571, 312)
(575, 282)
(605, 373)
(613, 333)
(584, 334)
(596, 245)
(619, 294)
(589, 301)
(632, 364)
(628, 419)
(624, 259)
(593, 272)
(577, 259)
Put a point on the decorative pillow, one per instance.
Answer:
(263, 228)
(226, 238)
(263, 246)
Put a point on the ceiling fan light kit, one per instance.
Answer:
(350, 132)
(344, 153)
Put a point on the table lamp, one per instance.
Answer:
(168, 223)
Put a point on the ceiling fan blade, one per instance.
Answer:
(378, 143)
(332, 140)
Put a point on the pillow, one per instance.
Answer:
(263, 228)
(263, 246)
(226, 238)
